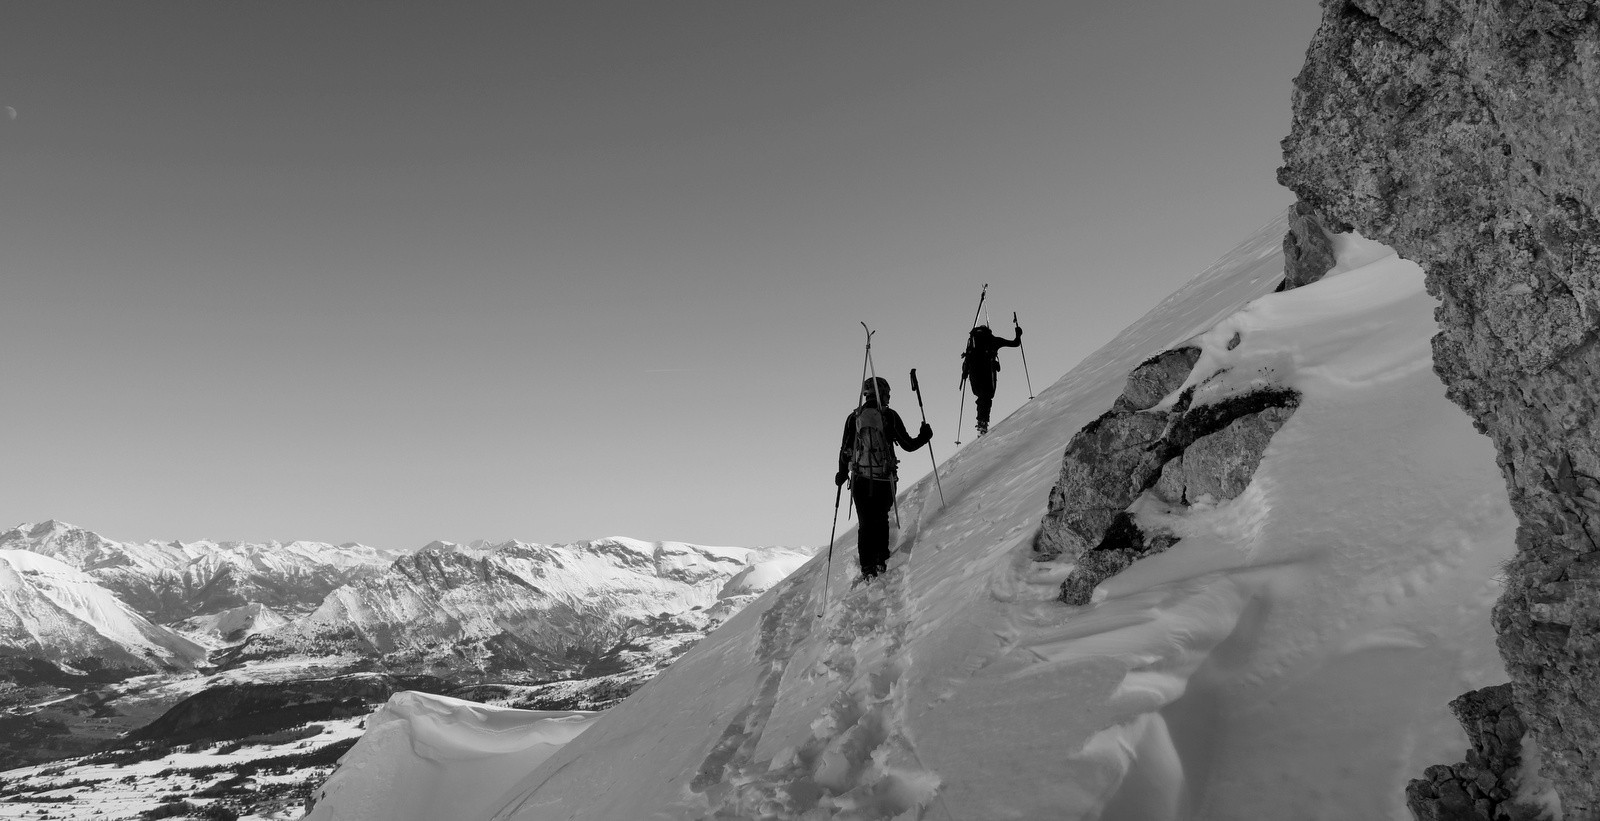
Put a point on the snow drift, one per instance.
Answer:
(434, 757)
(1292, 655)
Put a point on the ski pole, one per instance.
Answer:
(961, 411)
(1024, 352)
(918, 390)
(827, 571)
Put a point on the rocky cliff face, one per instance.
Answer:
(1462, 133)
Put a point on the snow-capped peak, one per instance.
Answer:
(59, 613)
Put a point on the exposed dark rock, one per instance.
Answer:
(1204, 420)
(1462, 133)
(1155, 379)
(1218, 466)
(1114, 458)
(1208, 452)
(1482, 787)
(1106, 466)
(1307, 250)
(1124, 544)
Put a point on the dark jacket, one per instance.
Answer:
(982, 354)
(896, 429)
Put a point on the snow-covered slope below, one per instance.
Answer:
(1290, 657)
(52, 612)
(395, 772)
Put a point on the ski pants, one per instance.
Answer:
(983, 383)
(873, 501)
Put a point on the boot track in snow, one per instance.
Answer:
(857, 763)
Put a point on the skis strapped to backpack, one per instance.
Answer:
(961, 408)
(873, 457)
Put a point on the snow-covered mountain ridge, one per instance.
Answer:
(526, 611)
(1288, 656)
(55, 613)
(171, 581)
(562, 627)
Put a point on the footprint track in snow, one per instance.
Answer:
(857, 764)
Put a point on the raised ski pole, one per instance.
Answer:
(827, 569)
(918, 390)
(1023, 351)
(962, 408)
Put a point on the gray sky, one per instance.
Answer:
(399, 272)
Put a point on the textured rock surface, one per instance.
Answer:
(1106, 466)
(1155, 379)
(1481, 787)
(1307, 250)
(1203, 453)
(1219, 466)
(1124, 544)
(1114, 458)
(1462, 133)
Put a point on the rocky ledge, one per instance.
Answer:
(1484, 787)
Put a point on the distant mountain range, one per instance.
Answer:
(172, 581)
(73, 603)
(53, 614)
(527, 612)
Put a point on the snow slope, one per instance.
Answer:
(426, 757)
(219, 630)
(1290, 657)
(51, 611)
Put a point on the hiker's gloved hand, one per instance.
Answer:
(925, 432)
(838, 478)
(1019, 331)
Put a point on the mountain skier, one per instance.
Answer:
(979, 365)
(867, 460)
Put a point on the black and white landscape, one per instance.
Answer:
(1315, 534)
(259, 662)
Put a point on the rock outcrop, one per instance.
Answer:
(1184, 454)
(1483, 787)
(1462, 134)
(1307, 249)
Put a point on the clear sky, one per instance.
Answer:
(396, 272)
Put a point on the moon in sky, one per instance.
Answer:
(11, 113)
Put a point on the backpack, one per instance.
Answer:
(873, 457)
(979, 356)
